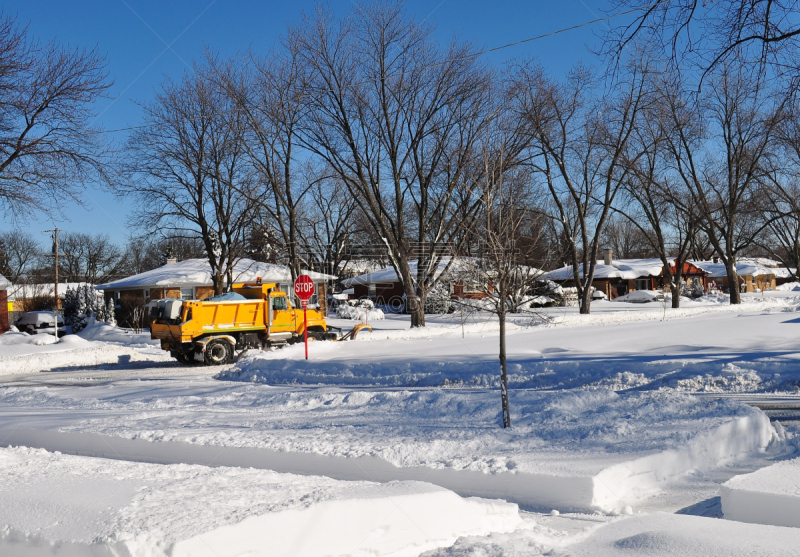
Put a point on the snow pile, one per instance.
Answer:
(117, 335)
(361, 310)
(767, 496)
(788, 287)
(641, 297)
(53, 504)
(98, 344)
(666, 535)
(14, 338)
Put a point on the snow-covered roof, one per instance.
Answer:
(4, 283)
(620, 268)
(23, 291)
(359, 266)
(388, 274)
(197, 272)
(744, 268)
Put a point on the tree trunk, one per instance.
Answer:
(417, 309)
(675, 289)
(218, 283)
(674, 285)
(585, 301)
(733, 284)
(501, 315)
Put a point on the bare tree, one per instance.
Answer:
(511, 234)
(328, 226)
(397, 118)
(712, 33)
(626, 239)
(145, 252)
(19, 255)
(782, 199)
(88, 258)
(49, 146)
(579, 149)
(720, 146)
(270, 95)
(188, 169)
(651, 202)
(782, 236)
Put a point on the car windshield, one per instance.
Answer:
(279, 303)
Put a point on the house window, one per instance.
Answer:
(187, 293)
(642, 284)
(470, 287)
(372, 289)
(146, 293)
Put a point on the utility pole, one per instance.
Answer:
(55, 232)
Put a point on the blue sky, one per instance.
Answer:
(146, 41)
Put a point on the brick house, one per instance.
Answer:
(617, 277)
(755, 274)
(191, 280)
(4, 286)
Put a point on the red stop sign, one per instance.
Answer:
(304, 288)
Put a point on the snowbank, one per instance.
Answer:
(767, 496)
(661, 534)
(580, 449)
(117, 335)
(22, 344)
(788, 287)
(54, 504)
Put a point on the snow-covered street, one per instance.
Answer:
(620, 420)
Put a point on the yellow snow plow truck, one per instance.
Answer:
(252, 315)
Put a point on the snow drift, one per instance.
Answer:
(767, 496)
(53, 504)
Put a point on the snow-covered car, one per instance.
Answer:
(641, 297)
(33, 322)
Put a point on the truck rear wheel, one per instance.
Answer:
(218, 352)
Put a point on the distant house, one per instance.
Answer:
(191, 280)
(4, 305)
(34, 297)
(755, 274)
(617, 277)
(383, 286)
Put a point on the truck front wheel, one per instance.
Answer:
(218, 352)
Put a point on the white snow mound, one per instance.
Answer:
(767, 496)
(53, 504)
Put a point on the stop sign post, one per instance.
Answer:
(304, 289)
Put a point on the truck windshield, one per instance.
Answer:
(279, 303)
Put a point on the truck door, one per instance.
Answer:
(281, 316)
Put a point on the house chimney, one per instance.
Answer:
(609, 257)
(169, 255)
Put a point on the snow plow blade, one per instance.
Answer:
(354, 331)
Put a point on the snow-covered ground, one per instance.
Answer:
(621, 419)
